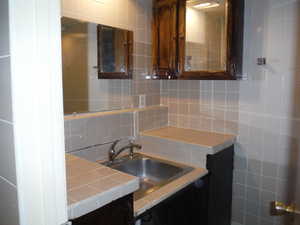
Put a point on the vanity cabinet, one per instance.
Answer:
(219, 188)
(205, 202)
(198, 40)
(118, 212)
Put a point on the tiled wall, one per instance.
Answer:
(131, 15)
(202, 105)
(8, 184)
(92, 136)
(178, 151)
(84, 133)
(152, 118)
(264, 111)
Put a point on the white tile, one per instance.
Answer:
(9, 212)
(5, 90)
(4, 27)
(7, 153)
(78, 134)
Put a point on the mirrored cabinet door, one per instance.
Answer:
(208, 39)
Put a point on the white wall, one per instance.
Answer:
(195, 26)
(38, 121)
(8, 183)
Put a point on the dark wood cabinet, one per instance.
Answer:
(174, 54)
(220, 167)
(165, 51)
(119, 212)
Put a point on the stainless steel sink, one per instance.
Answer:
(153, 172)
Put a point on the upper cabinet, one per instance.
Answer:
(198, 39)
(165, 38)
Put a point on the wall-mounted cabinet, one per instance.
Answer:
(198, 39)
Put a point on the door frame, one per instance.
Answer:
(35, 44)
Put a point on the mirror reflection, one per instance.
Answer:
(206, 35)
(92, 56)
(112, 44)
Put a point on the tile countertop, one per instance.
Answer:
(91, 185)
(214, 142)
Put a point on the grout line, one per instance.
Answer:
(4, 56)
(6, 121)
(6, 180)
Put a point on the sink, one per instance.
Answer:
(153, 172)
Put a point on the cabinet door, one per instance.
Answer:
(220, 166)
(211, 40)
(118, 212)
(165, 38)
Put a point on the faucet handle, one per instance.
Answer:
(114, 144)
(135, 145)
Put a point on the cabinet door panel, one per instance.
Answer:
(165, 38)
(118, 212)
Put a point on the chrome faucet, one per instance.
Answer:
(113, 153)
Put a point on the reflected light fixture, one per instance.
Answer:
(204, 4)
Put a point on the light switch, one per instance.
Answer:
(142, 101)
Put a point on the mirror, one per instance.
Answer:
(206, 35)
(198, 39)
(93, 55)
(114, 52)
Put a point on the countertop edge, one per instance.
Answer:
(97, 201)
(214, 149)
(146, 203)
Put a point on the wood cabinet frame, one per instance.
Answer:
(235, 36)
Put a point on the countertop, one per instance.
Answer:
(214, 142)
(91, 185)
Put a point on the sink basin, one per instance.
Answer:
(153, 172)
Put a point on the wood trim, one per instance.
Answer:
(206, 75)
(113, 75)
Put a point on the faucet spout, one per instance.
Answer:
(113, 153)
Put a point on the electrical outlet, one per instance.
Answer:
(142, 101)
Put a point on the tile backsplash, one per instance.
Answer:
(87, 132)
(178, 151)
(91, 136)
(152, 118)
